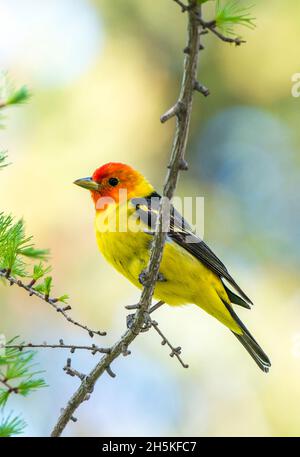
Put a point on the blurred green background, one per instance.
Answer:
(102, 72)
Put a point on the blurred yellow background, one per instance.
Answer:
(101, 74)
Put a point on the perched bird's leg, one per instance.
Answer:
(161, 278)
(129, 320)
(147, 322)
(147, 319)
(143, 278)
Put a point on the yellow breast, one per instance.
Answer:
(186, 279)
(122, 246)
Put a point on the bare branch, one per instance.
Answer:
(72, 347)
(52, 302)
(174, 351)
(176, 163)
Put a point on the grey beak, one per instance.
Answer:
(87, 183)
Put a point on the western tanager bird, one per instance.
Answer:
(189, 272)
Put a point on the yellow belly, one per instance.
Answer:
(187, 280)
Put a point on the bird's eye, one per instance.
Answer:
(113, 182)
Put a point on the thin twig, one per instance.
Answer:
(72, 347)
(72, 372)
(183, 7)
(201, 88)
(172, 112)
(212, 27)
(176, 163)
(156, 306)
(52, 302)
(174, 350)
(9, 388)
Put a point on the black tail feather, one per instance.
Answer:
(250, 344)
(235, 298)
(255, 351)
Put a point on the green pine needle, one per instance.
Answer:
(20, 367)
(9, 96)
(232, 13)
(10, 426)
(63, 299)
(39, 271)
(3, 157)
(38, 254)
(45, 287)
(15, 245)
(4, 394)
(17, 376)
(17, 373)
(24, 388)
(48, 285)
(12, 241)
(18, 97)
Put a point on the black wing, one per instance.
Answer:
(181, 233)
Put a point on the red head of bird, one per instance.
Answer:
(114, 179)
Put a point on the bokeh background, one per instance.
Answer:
(101, 73)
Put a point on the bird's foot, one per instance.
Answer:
(147, 322)
(143, 278)
(161, 278)
(130, 320)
